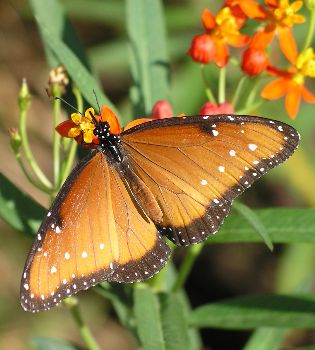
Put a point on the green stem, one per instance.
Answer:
(56, 137)
(28, 153)
(252, 94)
(185, 268)
(238, 91)
(73, 148)
(209, 92)
(222, 84)
(85, 332)
(252, 107)
(310, 33)
(28, 176)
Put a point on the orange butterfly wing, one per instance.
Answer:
(93, 232)
(196, 166)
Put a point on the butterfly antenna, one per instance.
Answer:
(99, 109)
(68, 104)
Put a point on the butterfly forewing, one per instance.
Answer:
(196, 166)
(92, 233)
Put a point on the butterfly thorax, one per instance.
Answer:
(108, 142)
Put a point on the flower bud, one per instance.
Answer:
(254, 61)
(15, 139)
(24, 96)
(58, 78)
(211, 108)
(202, 49)
(310, 4)
(162, 109)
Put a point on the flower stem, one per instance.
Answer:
(189, 260)
(238, 91)
(209, 92)
(222, 83)
(73, 305)
(311, 29)
(73, 148)
(26, 147)
(56, 137)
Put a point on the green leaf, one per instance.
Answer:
(291, 311)
(76, 70)
(52, 14)
(285, 225)
(266, 338)
(174, 322)
(41, 343)
(149, 60)
(18, 209)
(253, 220)
(148, 319)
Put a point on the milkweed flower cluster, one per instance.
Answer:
(275, 21)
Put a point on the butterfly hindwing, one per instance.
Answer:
(93, 232)
(196, 166)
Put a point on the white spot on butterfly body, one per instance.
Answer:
(26, 286)
(49, 213)
(215, 132)
(39, 237)
(58, 230)
(53, 270)
(24, 274)
(52, 225)
(67, 255)
(232, 153)
(252, 146)
(221, 168)
(204, 182)
(84, 254)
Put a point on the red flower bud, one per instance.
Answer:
(210, 108)
(162, 109)
(254, 61)
(202, 49)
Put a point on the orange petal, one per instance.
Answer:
(272, 3)
(64, 127)
(308, 96)
(237, 40)
(262, 38)
(222, 53)
(293, 99)
(107, 115)
(208, 19)
(252, 9)
(287, 43)
(137, 122)
(275, 89)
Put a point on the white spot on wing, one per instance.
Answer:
(84, 254)
(252, 146)
(215, 132)
(53, 269)
(221, 168)
(232, 153)
(204, 182)
(67, 255)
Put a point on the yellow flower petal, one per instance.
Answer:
(88, 113)
(76, 118)
(88, 136)
(74, 132)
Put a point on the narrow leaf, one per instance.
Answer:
(18, 209)
(174, 323)
(148, 318)
(266, 338)
(79, 74)
(41, 343)
(291, 311)
(254, 220)
(149, 61)
(285, 225)
(52, 14)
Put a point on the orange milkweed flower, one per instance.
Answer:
(210, 108)
(254, 61)
(81, 127)
(281, 17)
(221, 30)
(291, 83)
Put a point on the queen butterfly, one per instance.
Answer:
(174, 177)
